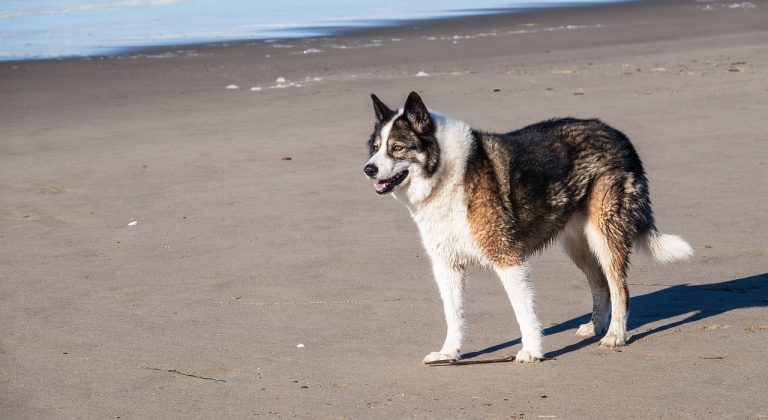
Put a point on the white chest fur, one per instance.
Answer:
(445, 230)
(437, 204)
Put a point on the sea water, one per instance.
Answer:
(34, 29)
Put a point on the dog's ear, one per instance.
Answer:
(416, 113)
(382, 111)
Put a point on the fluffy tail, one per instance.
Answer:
(664, 248)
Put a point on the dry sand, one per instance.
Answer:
(238, 256)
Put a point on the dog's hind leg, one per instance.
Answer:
(576, 246)
(450, 281)
(517, 283)
(610, 231)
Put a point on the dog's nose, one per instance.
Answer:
(370, 169)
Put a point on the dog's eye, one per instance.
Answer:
(397, 148)
(376, 147)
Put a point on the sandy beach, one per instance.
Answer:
(174, 248)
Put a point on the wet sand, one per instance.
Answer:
(239, 255)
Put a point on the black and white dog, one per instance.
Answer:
(494, 200)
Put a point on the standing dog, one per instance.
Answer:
(494, 200)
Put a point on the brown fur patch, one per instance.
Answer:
(489, 221)
(606, 210)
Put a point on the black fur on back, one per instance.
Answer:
(544, 172)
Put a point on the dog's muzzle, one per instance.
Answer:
(384, 186)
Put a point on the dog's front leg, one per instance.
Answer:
(517, 283)
(450, 281)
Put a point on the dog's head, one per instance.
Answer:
(403, 145)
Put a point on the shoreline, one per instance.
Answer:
(479, 20)
(311, 32)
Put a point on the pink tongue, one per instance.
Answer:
(380, 185)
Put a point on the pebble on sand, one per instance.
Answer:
(133, 223)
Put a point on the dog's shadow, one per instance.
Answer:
(700, 301)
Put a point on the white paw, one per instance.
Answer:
(586, 330)
(612, 339)
(589, 330)
(526, 356)
(436, 355)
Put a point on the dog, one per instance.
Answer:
(494, 200)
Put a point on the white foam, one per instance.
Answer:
(744, 5)
(285, 85)
(232, 87)
(351, 47)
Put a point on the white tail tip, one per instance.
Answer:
(665, 248)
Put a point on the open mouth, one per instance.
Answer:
(386, 185)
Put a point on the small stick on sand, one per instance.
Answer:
(454, 362)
